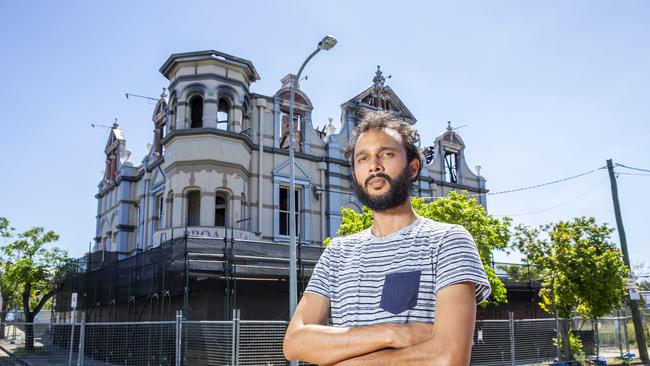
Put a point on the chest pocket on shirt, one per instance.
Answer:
(400, 291)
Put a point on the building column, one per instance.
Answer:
(277, 123)
(210, 112)
(260, 103)
(182, 117)
(322, 167)
(207, 209)
(235, 118)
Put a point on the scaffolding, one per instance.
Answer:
(151, 285)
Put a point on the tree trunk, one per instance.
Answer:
(567, 354)
(29, 315)
(29, 332)
(29, 318)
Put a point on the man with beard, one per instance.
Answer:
(381, 289)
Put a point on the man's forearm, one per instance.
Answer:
(420, 354)
(322, 344)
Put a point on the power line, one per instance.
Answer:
(559, 205)
(529, 187)
(490, 193)
(633, 168)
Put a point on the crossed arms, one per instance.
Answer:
(449, 342)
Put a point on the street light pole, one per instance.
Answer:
(325, 44)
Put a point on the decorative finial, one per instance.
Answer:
(115, 124)
(379, 78)
(330, 129)
(163, 95)
(449, 126)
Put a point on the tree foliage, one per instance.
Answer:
(489, 232)
(586, 267)
(583, 270)
(32, 271)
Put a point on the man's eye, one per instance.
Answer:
(387, 155)
(361, 159)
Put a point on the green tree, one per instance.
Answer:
(584, 270)
(490, 233)
(34, 272)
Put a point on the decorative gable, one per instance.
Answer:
(379, 97)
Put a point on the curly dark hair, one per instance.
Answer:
(381, 120)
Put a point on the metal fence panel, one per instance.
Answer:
(142, 343)
(583, 328)
(534, 340)
(260, 343)
(207, 343)
(50, 346)
(491, 343)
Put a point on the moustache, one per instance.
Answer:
(378, 175)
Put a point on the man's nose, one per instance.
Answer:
(374, 165)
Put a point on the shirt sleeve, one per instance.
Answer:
(458, 261)
(319, 282)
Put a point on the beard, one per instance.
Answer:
(398, 193)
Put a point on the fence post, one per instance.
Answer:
(82, 339)
(73, 321)
(627, 337)
(596, 330)
(512, 337)
(179, 336)
(557, 338)
(235, 337)
(619, 331)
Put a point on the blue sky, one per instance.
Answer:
(547, 90)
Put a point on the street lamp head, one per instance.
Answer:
(327, 43)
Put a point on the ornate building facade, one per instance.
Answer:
(218, 162)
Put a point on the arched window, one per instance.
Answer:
(223, 114)
(193, 208)
(196, 112)
(220, 209)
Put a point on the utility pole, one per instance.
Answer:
(634, 304)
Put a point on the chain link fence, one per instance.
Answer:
(237, 342)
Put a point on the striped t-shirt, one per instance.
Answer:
(395, 279)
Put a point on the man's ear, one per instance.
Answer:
(414, 168)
